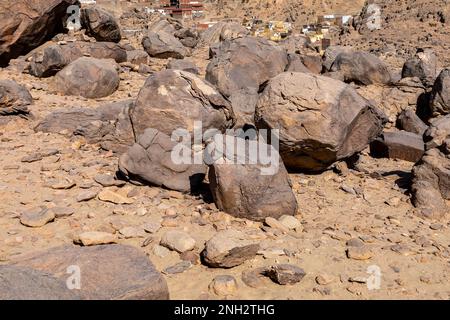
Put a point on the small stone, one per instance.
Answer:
(160, 251)
(359, 253)
(253, 278)
(223, 285)
(178, 240)
(107, 180)
(63, 184)
(107, 195)
(131, 232)
(151, 227)
(284, 274)
(190, 256)
(425, 279)
(289, 222)
(92, 238)
(324, 279)
(274, 223)
(436, 226)
(229, 248)
(33, 157)
(348, 189)
(178, 268)
(61, 212)
(87, 195)
(147, 241)
(37, 217)
(393, 202)
(355, 242)
(358, 279)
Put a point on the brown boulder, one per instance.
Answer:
(151, 160)
(108, 272)
(163, 45)
(440, 95)
(247, 190)
(399, 145)
(51, 59)
(175, 99)
(240, 67)
(14, 98)
(362, 67)
(100, 24)
(26, 24)
(88, 77)
(320, 120)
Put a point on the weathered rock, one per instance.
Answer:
(37, 217)
(152, 160)
(87, 195)
(296, 64)
(331, 54)
(399, 145)
(312, 62)
(138, 57)
(361, 67)
(21, 283)
(252, 191)
(431, 183)
(289, 222)
(284, 274)
(93, 238)
(14, 98)
(47, 61)
(109, 272)
(296, 43)
(89, 78)
(180, 267)
(223, 31)
(188, 37)
(423, 65)
(320, 120)
(360, 253)
(409, 121)
(228, 249)
(440, 95)
(108, 180)
(109, 125)
(174, 99)
(239, 69)
(184, 65)
(223, 285)
(26, 24)
(100, 24)
(163, 45)
(109, 195)
(178, 240)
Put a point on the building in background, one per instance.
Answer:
(183, 8)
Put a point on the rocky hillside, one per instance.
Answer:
(405, 26)
(296, 11)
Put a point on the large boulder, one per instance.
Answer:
(409, 121)
(331, 53)
(188, 37)
(107, 272)
(240, 67)
(440, 95)
(249, 189)
(222, 31)
(163, 45)
(100, 24)
(320, 120)
(14, 98)
(296, 43)
(21, 283)
(175, 99)
(431, 182)
(26, 24)
(51, 59)
(152, 160)
(361, 67)
(89, 78)
(423, 65)
(108, 125)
